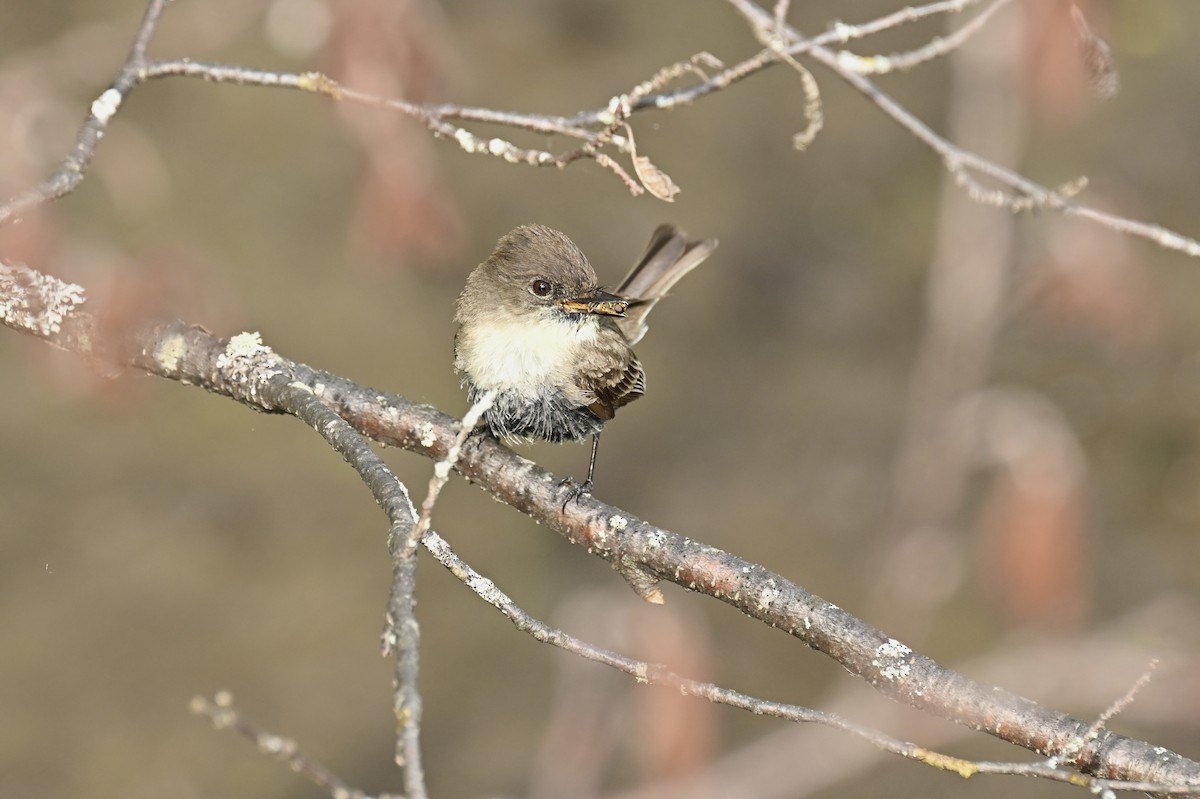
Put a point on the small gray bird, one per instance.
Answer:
(535, 326)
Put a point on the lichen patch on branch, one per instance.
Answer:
(36, 302)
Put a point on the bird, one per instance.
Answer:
(557, 350)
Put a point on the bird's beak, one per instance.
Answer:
(601, 302)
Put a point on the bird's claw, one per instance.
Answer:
(575, 491)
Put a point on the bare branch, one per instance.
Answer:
(1026, 194)
(70, 172)
(660, 675)
(592, 127)
(842, 33)
(402, 633)
(775, 41)
(243, 369)
(936, 48)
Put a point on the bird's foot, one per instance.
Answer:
(575, 491)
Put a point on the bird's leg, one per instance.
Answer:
(586, 486)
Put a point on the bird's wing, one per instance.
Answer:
(606, 383)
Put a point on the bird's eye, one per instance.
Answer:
(540, 287)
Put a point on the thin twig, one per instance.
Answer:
(841, 33)
(1118, 705)
(224, 715)
(402, 634)
(936, 48)
(441, 469)
(1124, 701)
(1026, 194)
(70, 172)
(775, 41)
(660, 675)
(1014, 191)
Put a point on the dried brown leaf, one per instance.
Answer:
(657, 182)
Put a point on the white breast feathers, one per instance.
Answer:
(527, 355)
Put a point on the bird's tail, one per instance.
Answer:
(668, 257)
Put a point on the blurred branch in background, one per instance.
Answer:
(920, 560)
(949, 413)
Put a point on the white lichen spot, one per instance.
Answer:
(892, 649)
(497, 146)
(428, 435)
(850, 61)
(318, 389)
(481, 585)
(245, 356)
(843, 31)
(442, 470)
(768, 596)
(104, 106)
(275, 744)
(891, 658)
(465, 139)
(618, 523)
(869, 65)
(641, 673)
(609, 115)
(881, 64)
(245, 345)
(170, 352)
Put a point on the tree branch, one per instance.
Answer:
(1021, 193)
(242, 369)
(593, 127)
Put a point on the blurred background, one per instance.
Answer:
(979, 431)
